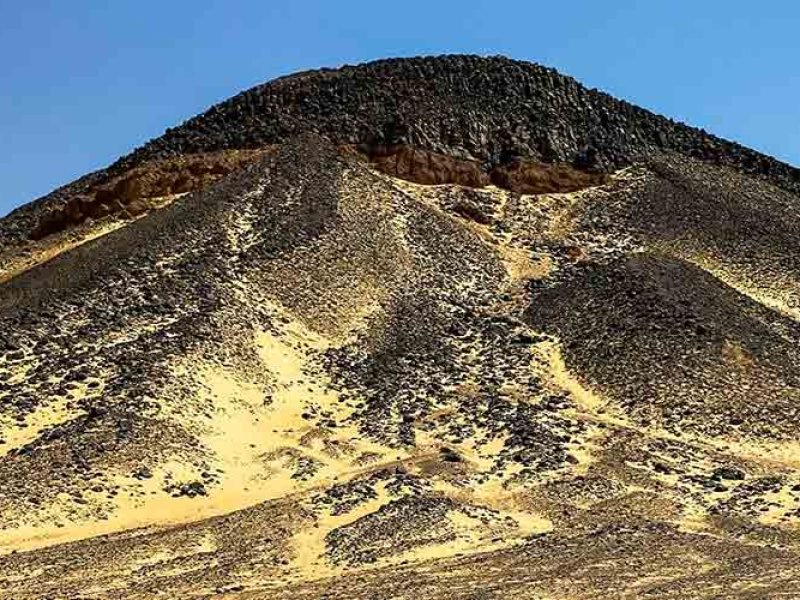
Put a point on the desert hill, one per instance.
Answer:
(449, 327)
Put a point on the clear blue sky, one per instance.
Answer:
(85, 81)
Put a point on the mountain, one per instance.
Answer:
(433, 328)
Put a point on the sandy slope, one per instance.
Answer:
(317, 379)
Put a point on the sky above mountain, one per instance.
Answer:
(86, 81)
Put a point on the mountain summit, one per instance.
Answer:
(434, 328)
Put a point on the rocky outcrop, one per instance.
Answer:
(533, 177)
(517, 175)
(135, 191)
(484, 109)
(422, 166)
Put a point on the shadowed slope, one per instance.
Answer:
(676, 347)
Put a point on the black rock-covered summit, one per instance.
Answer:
(485, 108)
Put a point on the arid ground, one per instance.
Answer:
(409, 351)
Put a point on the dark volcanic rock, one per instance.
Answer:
(490, 110)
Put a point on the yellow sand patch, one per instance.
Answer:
(309, 545)
(585, 451)
(468, 538)
(484, 455)
(472, 535)
(694, 519)
(785, 501)
(17, 373)
(782, 455)
(46, 416)
(550, 365)
(151, 512)
(253, 422)
(494, 494)
(50, 415)
(521, 266)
